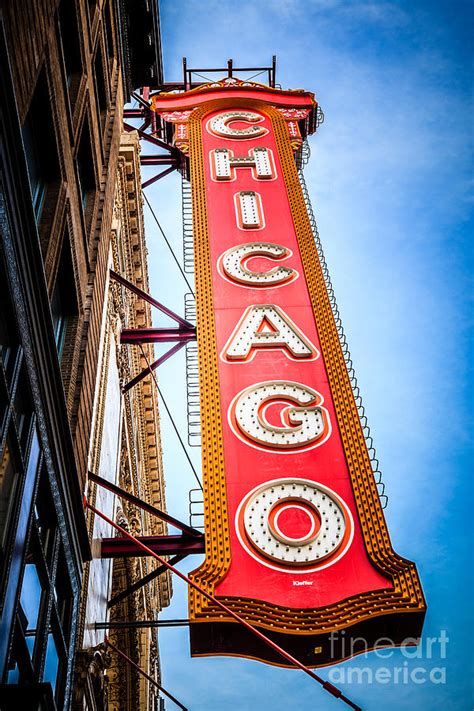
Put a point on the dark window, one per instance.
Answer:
(22, 407)
(40, 147)
(71, 48)
(9, 479)
(85, 172)
(109, 30)
(63, 595)
(31, 597)
(45, 517)
(63, 300)
(9, 343)
(100, 86)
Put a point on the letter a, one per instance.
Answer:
(267, 326)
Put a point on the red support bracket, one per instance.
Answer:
(149, 299)
(158, 160)
(161, 545)
(151, 139)
(159, 176)
(142, 582)
(149, 508)
(157, 335)
(183, 334)
(133, 113)
(153, 366)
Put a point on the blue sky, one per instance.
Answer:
(389, 179)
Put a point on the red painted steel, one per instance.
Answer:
(157, 335)
(159, 176)
(184, 101)
(149, 508)
(157, 160)
(153, 366)
(164, 545)
(146, 297)
(133, 113)
(151, 138)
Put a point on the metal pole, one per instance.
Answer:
(185, 74)
(144, 505)
(140, 624)
(215, 601)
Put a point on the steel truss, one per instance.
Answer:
(190, 541)
(185, 332)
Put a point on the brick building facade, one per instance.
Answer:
(67, 67)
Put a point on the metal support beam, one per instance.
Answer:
(149, 508)
(161, 545)
(141, 101)
(158, 160)
(151, 139)
(157, 335)
(142, 582)
(149, 299)
(158, 176)
(230, 70)
(133, 113)
(150, 368)
(140, 624)
(273, 72)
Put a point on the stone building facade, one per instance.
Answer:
(125, 449)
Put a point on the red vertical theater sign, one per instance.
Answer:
(296, 541)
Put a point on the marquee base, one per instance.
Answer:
(313, 650)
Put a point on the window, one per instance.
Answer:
(45, 518)
(100, 86)
(109, 30)
(9, 475)
(85, 172)
(9, 343)
(63, 300)
(23, 408)
(63, 595)
(30, 602)
(41, 148)
(71, 49)
(43, 620)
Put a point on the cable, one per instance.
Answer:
(172, 420)
(203, 77)
(256, 75)
(169, 245)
